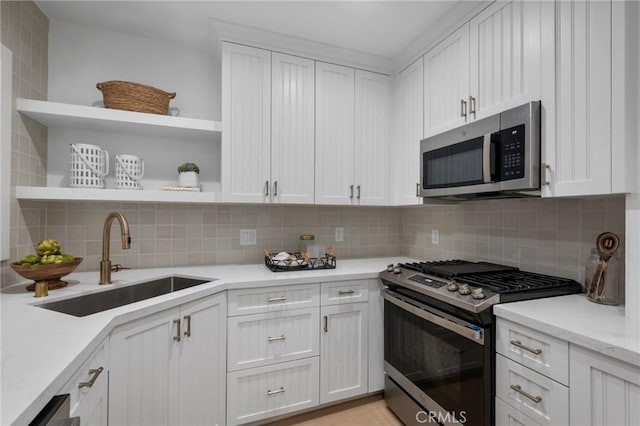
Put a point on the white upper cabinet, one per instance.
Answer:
(372, 132)
(446, 83)
(335, 104)
(292, 129)
(246, 123)
(587, 148)
(352, 136)
(505, 52)
(408, 121)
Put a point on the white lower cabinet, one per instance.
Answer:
(88, 388)
(169, 368)
(343, 351)
(262, 392)
(509, 416)
(604, 391)
(376, 336)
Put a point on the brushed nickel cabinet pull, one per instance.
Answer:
(518, 389)
(472, 105)
(418, 189)
(266, 188)
(187, 319)
(277, 339)
(270, 392)
(519, 344)
(275, 188)
(545, 171)
(350, 191)
(326, 324)
(358, 188)
(177, 336)
(95, 372)
(276, 299)
(345, 292)
(463, 108)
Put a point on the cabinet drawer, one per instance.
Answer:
(344, 292)
(89, 369)
(545, 354)
(261, 339)
(270, 299)
(506, 415)
(263, 392)
(538, 397)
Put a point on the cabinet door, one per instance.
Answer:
(343, 351)
(334, 134)
(505, 52)
(89, 402)
(246, 123)
(144, 371)
(371, 167)
(202, 389)
(577, 148)
(292, 129)
(603, 391)
(408, 128)
(446, 83)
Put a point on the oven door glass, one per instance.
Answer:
(446, 366)
(454, 165)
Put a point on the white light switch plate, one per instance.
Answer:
(435, 236)
(247, 237)
(339, 234)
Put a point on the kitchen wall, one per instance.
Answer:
(550, 236)
(24, 29)
(181, 234)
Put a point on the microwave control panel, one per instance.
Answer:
(512, 146)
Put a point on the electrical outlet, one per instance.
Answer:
(435, 236)
(339, 235)
(247, 237)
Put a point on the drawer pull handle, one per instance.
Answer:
(276, 339)
(518, 389)
(95, 372)
(345, 292)
(326, 324)
(519, 344)
(187, 319)
(270, 392)
(277, 299)
(177, 336)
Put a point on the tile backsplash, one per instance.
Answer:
(550, 236)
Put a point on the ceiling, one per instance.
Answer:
(382, 28)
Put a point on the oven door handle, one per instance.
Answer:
(472, 332)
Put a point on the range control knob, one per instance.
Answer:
(464, 289)
(452, 286)
(390, 267)
(396, 270)
(477, 293)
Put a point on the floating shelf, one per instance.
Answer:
(44, 193)
(55, 114)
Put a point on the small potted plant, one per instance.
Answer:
(188, 175)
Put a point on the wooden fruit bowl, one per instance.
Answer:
(49, 274)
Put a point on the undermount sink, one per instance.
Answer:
(82, 306)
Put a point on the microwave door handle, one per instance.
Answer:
(486, 158)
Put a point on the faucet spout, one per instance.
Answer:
(105, 264)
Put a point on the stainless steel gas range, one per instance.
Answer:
(439, 336)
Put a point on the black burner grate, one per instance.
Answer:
(511, 282)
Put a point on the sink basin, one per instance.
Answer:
(82, 306)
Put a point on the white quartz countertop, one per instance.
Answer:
(41, 349)
(601, 328)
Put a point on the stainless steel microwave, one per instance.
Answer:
(494, 157)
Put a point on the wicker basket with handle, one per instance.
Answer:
(135, 97)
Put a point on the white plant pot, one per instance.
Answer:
(188, 179)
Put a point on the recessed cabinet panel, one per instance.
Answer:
(371, 171)
(408, 117)
(334, 150)
(578, 144)
(292, 129)
(446, 83)
(246, 123)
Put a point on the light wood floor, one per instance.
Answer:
(370, 411)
